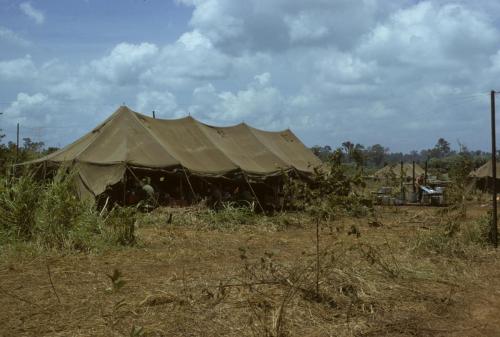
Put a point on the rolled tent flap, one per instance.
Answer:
(95, 178)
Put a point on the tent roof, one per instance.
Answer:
(395, 169)
(485, 171)
(130, 138)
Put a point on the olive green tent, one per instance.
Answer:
(129, 139)
(485, 171)
(395, 171)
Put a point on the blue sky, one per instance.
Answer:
(401, 73)
(79, 30)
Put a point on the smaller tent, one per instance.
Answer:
(483, 177)
(485, 171)
(394, 170)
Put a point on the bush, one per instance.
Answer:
(52, 216)
(477, 232)
(59, 212)
(329, 193)
(454, 239)
(18, 203)
(119, 226)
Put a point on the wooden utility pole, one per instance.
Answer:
(493, 229)
(17, 143)
(317, 257)
(403, 176)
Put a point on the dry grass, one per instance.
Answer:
(190, 277)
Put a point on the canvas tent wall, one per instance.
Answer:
(129, 139)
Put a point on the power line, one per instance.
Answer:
(50, 127)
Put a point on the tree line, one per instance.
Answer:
(441, 157)
(28, 150)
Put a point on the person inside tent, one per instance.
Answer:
(147, 188)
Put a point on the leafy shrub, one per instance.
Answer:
(59, 211)
(119, 226)
(19, 199)
(329, 193)
(454, 239)
(477, 232)
(52, 216)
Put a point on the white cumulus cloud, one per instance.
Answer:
(11, 37)
(125, 63)
(163, 103)
(18, 69)
(33, 13)
(368, 71)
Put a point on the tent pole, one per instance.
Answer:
(413, 173)
(189, 182)
(133, 174)
(253, 192)
(125, 188)
(402, 182)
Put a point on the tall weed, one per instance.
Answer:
(454, 239)
(59, 211)
(19, 198)
(51, 216)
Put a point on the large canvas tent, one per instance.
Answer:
(395, 171)
(128, 139)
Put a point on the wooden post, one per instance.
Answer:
(254, 194)
(189, 183)
(317, 257)
(154, 116)
(402, 182)
(413, 175)
(425, 174)
(493, 229)
(17, 143)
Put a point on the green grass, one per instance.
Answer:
(50, 216)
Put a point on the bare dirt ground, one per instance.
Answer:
(259, 281)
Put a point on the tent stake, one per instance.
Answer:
(253, 192)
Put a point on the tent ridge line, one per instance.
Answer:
(254, 137)
(155, 137)
(95, 134)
